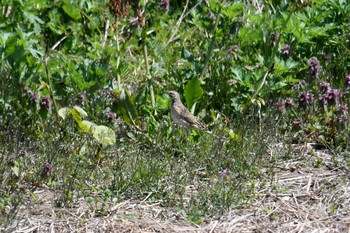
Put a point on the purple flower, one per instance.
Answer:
(47, 169)
(45, 102)
(347, 81)
(324, 86)
(328, 57)
(296, 122)
(344, 107)
(289, 102)
(305, 98)
(165, 4)
(286, 50)
(33, 97)
(314, 67)
(302, 84)
(334, 95)
(22, 152)
(280, 105)
(324, 98)
(111, 116)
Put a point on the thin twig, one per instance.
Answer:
(178, 23)
(57, 43)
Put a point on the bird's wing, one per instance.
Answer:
(189, 117)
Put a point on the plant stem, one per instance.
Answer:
(211, 45)
(118, 62)
(149, 77)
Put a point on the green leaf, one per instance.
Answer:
(64, 112)
(81, 111)
(126, 108)
(87, 126)
(72, 11)
(233, 10)
(234, 135)
(104, 135)
(15, 170)
(162, 101)
(214, 5)
(193, 91)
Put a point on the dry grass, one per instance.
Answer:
(300, 197)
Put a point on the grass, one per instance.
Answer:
(202, 174)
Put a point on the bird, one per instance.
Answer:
(180, 114)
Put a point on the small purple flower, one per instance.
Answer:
(344, 107)
(280, 105)
(111, 116)
(33, 97)
(289, 102)
(328, 57)
(303, 84)
(225, 174)
(314, 67)
(306, 98)
(300, 85)
(347, 81)
(286, 50)
(48, 168)
(324, 87)
(22, 152)
(324, 98)
(165, 4)
(296, 122)
(334, 94)
(45, 102)
(344, 118)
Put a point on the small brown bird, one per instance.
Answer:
(180, 114)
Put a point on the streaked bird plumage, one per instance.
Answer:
(180, 114)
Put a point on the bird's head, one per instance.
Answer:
(174, 96)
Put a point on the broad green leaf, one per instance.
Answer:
(76, 115)
(87, 126)
(72, 11)
(64, 112)
(126, 108)
(193, 91)
(104, 135)
(162, 101)
(81, 111)
(214, 5)
(128, 103)
(233, 10)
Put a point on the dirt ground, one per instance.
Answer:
(309, 193)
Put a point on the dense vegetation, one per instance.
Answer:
(84, 107)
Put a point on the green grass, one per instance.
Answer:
(199, 173)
